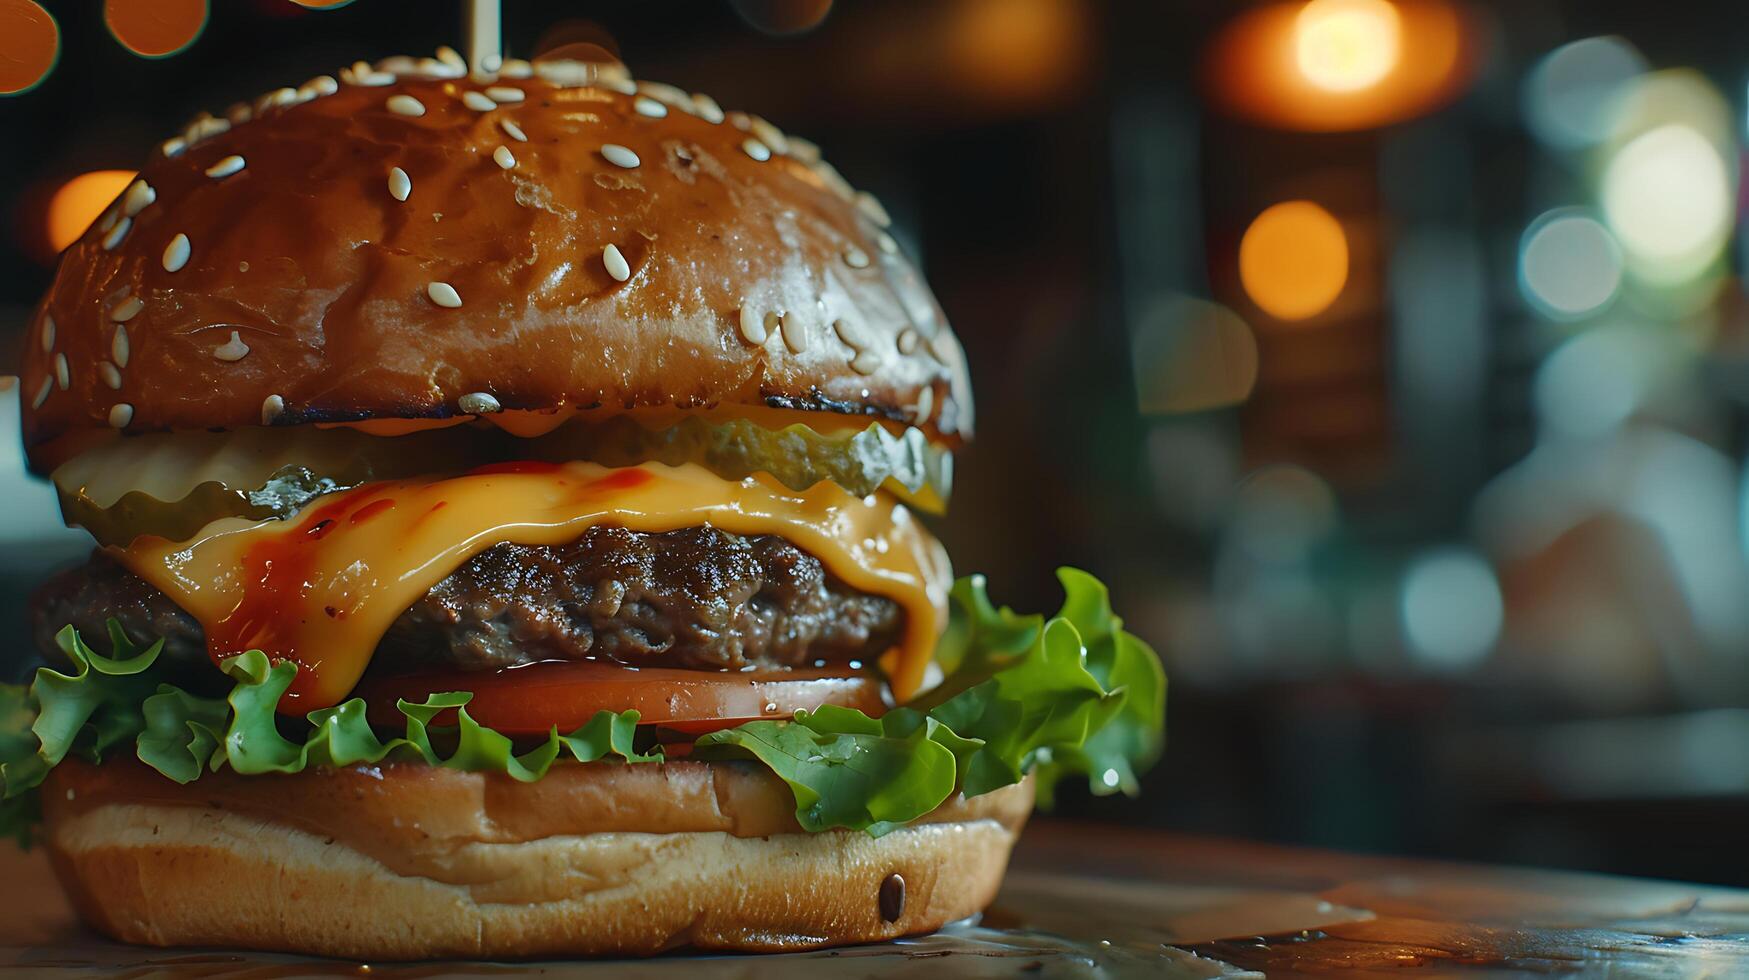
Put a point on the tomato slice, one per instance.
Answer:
(531, 699)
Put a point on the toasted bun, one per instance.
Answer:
(411, 862)
(302, 289)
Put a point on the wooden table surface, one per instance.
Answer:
(1429, 918)
(1088, 901)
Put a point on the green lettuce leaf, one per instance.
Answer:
(1071, 695)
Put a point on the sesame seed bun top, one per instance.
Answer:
(407, 242)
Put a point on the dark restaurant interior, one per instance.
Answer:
(1389, 358)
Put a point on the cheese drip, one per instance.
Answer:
(322, 588)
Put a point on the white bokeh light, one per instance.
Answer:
(1667, 195)
(1452, 608)
(1571, 98)
(1569, 265)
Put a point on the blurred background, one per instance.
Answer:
(1390, 358)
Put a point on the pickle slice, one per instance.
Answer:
(173, 484)
(797, 456)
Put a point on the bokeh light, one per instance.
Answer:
(1293, 260)
(1345, 45)
(1452, 608)
(79, 201)
(1335, 65)
(30, 44)
(577, 40)
(1599, 379)
(1668, 194)
(1569, 265)
(1191, 355)
(1016, 51)
(1572, 97)
(1281, 512)
(155, 28)
(783, 17)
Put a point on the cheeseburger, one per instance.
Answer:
(506, 489)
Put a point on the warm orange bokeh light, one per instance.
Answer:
(155, 28)
(1334, 65)
(79, 201)
(1293, 260)
(29, 43)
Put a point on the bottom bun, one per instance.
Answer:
(412, 862)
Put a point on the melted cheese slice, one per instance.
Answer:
(322, 588)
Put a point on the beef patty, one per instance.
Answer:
(697, 598)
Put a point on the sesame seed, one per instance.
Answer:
(623, 86)
(753, 326)
(867, 362)
(907, 341)
(795, 334)
(565, 74)
(118, 346)
(109, 219)
(615, 263)
(770, 135)
(406, 105)
(209, 127)
(116, 234)
(741, 121)
(755, 149)
(514, 130)
(400, 185)
(662, 91)
(42, 393)
(48, 333)
(140, 194)
(888, 243)
(127, 309)
(232, 350)
(272, 407)
(174, 146)
(225, 168)
(855, 257)
(443, 294)
(176, 253)
(63, 374)
(120, 414)
(110, 374)
(323, 85)
(372, 79)
(850, 333)
(830, 176)
(478, 102)
(870, 206)
(503, 157)
(516, 68)
(240, 112)
(707, 107)
(646, 106)
(620, 156)
(283, 97)
(492, 62)
(450, 56)
(478, 403)
(925, 404)
(803, 149)
(505, 93)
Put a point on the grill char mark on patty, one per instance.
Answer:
(696, 598)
